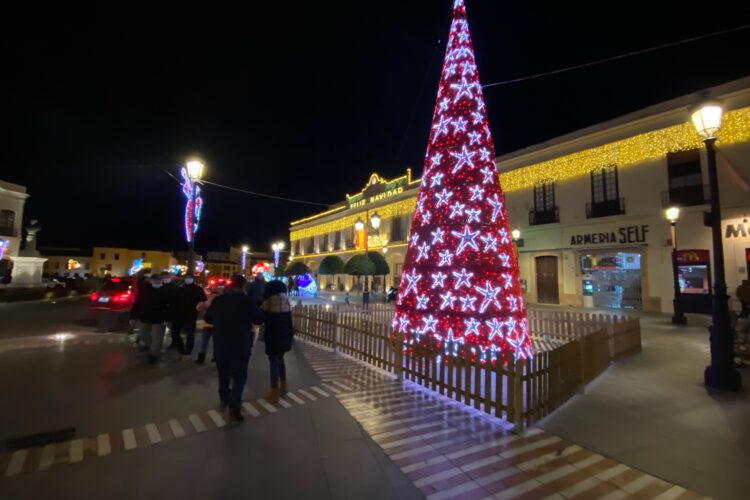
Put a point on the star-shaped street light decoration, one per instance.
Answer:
(443, 197)
(447, 300)
(488, 174)
(472, 215)
(497, 206)
(489, 294)
(422, 301)
(446, 258)
(438, 279)
(467, 303)
(437, 236)
(495, 328)
(436, 179)
(472, 326)
(474, 138)
(457, 209)
(462, 89)
(477, 192)
(462, 158)
(441, 128)
(459, 125)
(466, 239)
(429, 324)
(462, 279)
(484, 154)
(412, 280)
(490, 243)
(424, 250)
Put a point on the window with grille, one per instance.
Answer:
(544, 197)
(604, 186)
(685, 179)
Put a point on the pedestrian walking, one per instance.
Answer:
(170, 290)
(277, 334)
(151, 309)
(208, 330)
(256, 289)
(232, 316)
(185, 313)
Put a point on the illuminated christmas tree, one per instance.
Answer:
(460, 281)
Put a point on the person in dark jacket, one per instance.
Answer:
(185, 314)
(256, 289)
(151, 308)
(232, 316)
(277, 333)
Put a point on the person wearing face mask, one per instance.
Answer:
(152, 310)
(185, 314)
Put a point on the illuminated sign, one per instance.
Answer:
(378, 189)
(616, 236)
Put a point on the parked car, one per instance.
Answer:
(111, 304)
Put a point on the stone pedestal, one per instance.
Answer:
(27, 272)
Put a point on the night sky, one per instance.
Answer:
(304, 101)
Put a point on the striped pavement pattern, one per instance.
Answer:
(451, 451)
(151, 434)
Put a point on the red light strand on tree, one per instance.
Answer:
(461, 283)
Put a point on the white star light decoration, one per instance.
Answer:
(424, 250)
(459, 125)
(467, 303)
(438, 279)
(467, 238)
(443, 197)
(437, 236)
(496, 205)
(462, 279)
(474, 138)
(495, 326)
(422, 301)
(441, 128)
(412, 280)
(490, 243)
(462, 89)
(457, 209)
(477, 192)
(436, 159)
(446, 258)
(462, 158)
(488, 174)
(472, 215)
(447, 300)
(472, 326)
(489, 294)
(436, 179)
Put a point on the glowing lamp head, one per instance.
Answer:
(385, 249)
(245, 249)
(673, 213)
(194, 170)
(375, 220)
(516, 234)
(359, 225)
(707, 119)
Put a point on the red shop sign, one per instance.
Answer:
(695, 257)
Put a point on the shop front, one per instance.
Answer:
(603, 266)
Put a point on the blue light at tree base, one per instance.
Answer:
(307, 286)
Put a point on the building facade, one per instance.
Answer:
(590, 209)
(12, 200)
(66, 262)
(111, 261)
(334, 231)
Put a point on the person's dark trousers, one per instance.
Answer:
(232, 379)
(278, 368)
(188, 327)
(176, 329)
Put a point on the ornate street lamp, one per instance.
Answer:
(721, 373)
(678, 317)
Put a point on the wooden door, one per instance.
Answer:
(546, 280)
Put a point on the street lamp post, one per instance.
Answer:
(359, 226)
(245, 250)
(678, 317)
(721, 373)
(194, 173)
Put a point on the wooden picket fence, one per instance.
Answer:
(520, 392)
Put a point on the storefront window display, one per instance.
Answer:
(613, 279)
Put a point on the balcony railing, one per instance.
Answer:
(605, 208)
(688, 196)
(539, 217)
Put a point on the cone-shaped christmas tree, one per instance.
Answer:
(460, 281)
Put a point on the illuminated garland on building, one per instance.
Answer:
(647, 146)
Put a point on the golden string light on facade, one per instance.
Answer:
(647, 146)
(397, 209)
(626, 152)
